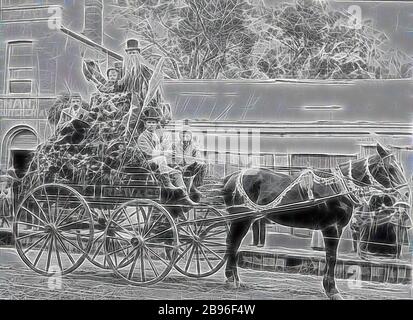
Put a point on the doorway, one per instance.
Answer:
(20, 160)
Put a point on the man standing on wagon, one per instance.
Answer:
(155, 152)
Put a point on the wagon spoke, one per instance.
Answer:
(30, 224)
(114, 256)
(59, 261)
(142, 266)
(97, 250)
(54, 217)
(203, 220)
(195, 228)
(148, 219)
(58, 223)
(127, 231)
(74, 222)
(209, 235)
(206, 258)
(30, 235)
(158, 256)
(153, 224)
(119, 243)
(40, 207)
(35, 243)
(190, 258)
(34, 215)
(215, 254)
(73, 244)
(161, 245)
(47, 201)
(184, 230)
(152, 264)
(60, 211)
(65, 249)
(130, 222)
(125, 259)
(182, 254)
(39, 254)
(198, 267)
(132, 268)
(191, 231)
(213, 243)
(139, 222)
(121, 249)
(158, 234)
(143, 212)
(119, 239)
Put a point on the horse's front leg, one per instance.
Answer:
(331, 239)
(236, 234)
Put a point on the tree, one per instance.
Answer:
(310, 40)
(235, 39)
(199, 38)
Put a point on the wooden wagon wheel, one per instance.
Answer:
(102, 213)
(202, 243)
(141, 242)
(53, 229)
(97, 256)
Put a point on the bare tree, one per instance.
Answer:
(200, 38)
(234, 39)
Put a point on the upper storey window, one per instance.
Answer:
(20, 67)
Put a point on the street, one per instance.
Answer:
(88, 282)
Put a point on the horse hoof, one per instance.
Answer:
(240, 285)
(336, 296)
(230, 282)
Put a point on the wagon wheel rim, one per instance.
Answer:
(141, 242)
(96, 254)
(202, 243)
(53, 229)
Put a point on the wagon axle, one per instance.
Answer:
(50, 228)
(137, 242)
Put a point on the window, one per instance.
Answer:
(20, 67)
(15, 3)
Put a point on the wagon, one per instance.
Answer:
(126, 227)
(122, 227)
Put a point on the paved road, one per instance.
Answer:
(88, 282)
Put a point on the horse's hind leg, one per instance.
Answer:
(236, 234)
(332, 236)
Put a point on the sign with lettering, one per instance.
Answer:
(24, 108)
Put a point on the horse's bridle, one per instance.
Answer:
(352, 183)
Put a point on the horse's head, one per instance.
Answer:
(387, 171)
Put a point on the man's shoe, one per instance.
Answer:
(184, 199)
(186, 202)
(195, 194)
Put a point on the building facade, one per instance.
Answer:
(42, 46)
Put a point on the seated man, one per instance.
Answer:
(74, 111)
(186, 155)
(72, 125)
(151, 146)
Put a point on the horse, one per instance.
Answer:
(380, 171)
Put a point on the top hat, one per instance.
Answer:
(132, 44)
